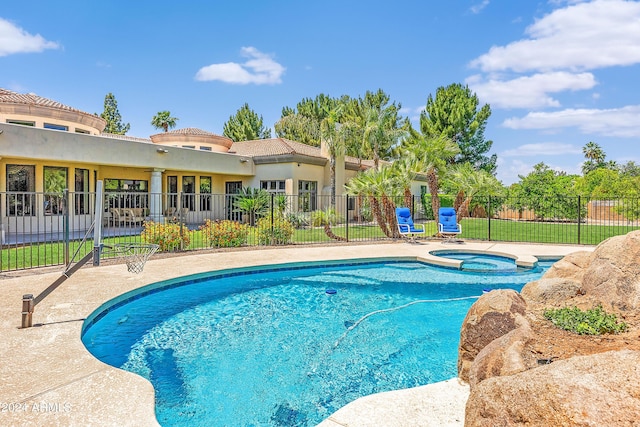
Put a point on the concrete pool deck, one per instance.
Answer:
(48, 378)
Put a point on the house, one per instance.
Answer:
(46, 146)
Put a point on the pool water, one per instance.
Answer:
(481, 262)
(275, 349)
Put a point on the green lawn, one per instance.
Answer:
(47, 254)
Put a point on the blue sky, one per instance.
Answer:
(557, 73)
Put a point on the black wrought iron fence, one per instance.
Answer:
(40, 229)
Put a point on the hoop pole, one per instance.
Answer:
(97, 229)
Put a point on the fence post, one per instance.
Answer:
(65, 225)
(489, 217)
(180, 222)
(579, 219)
(273, 195)
(347, 218)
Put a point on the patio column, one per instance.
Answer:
(155, 193)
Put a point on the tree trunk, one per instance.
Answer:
(332, 170)
(331, 235)
(408, 198)
(389, 210)
(463, 211)
(377, 214)
(432, 179)
(459, 200)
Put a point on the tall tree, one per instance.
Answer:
(304, 127)
(596, 158)
(454, 114)
(113, 117)
(164, 121)
(245, 125)
(376, 127)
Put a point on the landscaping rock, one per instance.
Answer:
(571, 266)
(493, 315)
(597, 390)
(553, 292)
(613, 274)
(503, 356)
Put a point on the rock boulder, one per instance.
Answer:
(493, 315)
(597, 390)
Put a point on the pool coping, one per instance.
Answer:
(48, 378)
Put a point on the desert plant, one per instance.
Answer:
(299, 219)
(591, 322)
(274, 231)
(168, 237)
(224, 234)
(252, 201)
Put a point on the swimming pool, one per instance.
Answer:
(273, 348)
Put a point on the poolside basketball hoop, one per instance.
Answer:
(135, 254)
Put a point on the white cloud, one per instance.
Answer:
(477, 8)
(616, 122)
(583, 36)
(510, 170)
(541, 149)
(529, 91)
(14, 39)
(260, 68)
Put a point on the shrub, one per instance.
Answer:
(326, 216)
(279, 234)
(298, 219)
(591, 322)
(168, 236)
(224, 234)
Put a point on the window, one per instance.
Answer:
(82, 131)
(307, 196)
(172, 189)
(203, 148)
(189, 146)
(55, 182)
(81, 196)
(55, 127)
(126, 193)
(21, 122)
(189, 190)
(205, 193)
(21, 178)
(276, 187)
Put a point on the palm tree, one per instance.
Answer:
(434, 154)
(163, 120)
(381, 188)
(593, 152)
(471, 182)
(405, 171)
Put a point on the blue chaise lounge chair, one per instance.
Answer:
(448, 224)
(406, 226)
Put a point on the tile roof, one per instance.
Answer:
(126, 137)
(192, 131)
(10, 97)
(274, 147)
